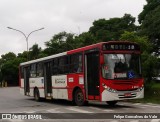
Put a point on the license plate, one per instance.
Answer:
(127, 94)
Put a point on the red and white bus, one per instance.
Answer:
(106, 71)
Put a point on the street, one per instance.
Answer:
(11, 101)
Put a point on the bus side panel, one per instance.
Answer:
(39, 83)
(59, 87)
(74, 80)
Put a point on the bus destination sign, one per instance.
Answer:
(120, 47)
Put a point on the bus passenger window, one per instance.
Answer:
(79, 64)
(55, 66)
(33, 70)
(39, 69)
(76, 63)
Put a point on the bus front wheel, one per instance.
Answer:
(79, 97)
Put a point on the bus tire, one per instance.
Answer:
(79, 98)
(111, 103)
(36, 95)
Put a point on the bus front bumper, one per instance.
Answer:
(122, 95)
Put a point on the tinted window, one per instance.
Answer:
(39, 69)
(33, 70)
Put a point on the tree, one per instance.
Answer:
(150, 6)
(34, 52)
(23, 55)
(60, 42)
(149, 19)
(8, 56)
(143, 41)
(9, 68)
(106, 30)
(84, 39)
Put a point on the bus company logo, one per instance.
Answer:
(21, 116)
(6, 116)
(32, 81)
(58, 81)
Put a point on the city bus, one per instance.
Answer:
(106, 71)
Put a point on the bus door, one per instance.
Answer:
(26, 80)
(92, 75)
(47, 79)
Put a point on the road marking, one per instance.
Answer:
(155, 120)
(143, 107)
(95, 108)
(113, 121)
(29, 111)
(147, 105)
(120, 104)
(108, 110)
(54, 110)
(137, 104)
(13, 120)
(134, 121)
(78, 110)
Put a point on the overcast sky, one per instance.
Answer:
(75, 16)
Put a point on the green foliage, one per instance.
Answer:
(143, 41)
(34, 52)
(150, 23)
(106, 30)
(84, 39)
(149, 65)
(150, 6)
(9, 68)
(59, 43)
(23, 55)
(8, 56)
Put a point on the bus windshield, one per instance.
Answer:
(121, 66)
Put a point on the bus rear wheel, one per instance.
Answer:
(36, 94)
(79, 97)
(111, 103)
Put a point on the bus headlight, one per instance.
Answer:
(140, 89)
(111, 90)
(108, 88)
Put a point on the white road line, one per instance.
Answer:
(13, 120)
(113, 121)
(155, 120)
(134, 121)
(95, 108)
(137, 103)
(121, 104)
(29, 111)
(149, 105)
(78, 110)
(54, 110)
(142, 107)
(108, 110)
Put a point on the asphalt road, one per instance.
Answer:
(11, 101)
